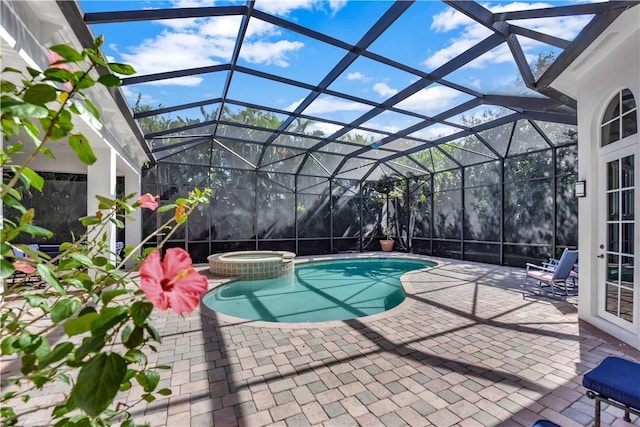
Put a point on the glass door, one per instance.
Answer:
(617, 296)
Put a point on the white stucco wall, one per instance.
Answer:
(610, 64)
(26, 28)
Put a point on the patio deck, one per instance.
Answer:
(466, 350)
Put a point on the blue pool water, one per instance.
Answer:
(317, 291)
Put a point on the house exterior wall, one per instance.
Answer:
(610, 64)
(26, 28)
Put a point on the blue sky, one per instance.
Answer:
(424, 37)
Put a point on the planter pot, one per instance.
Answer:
(386, 245)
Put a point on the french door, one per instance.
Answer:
(617, 280)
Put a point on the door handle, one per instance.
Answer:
(601, 256)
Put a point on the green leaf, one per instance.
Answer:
(107, 296)
(6, 268)
(140, 311)
(166, 208)
(34, 300)
(59, 411)
(83, 81)
(105, 202)
(33, 72)
(124, 69)
(67, 52)
(22, 109)
(80, 144)
(110, 80)
(154, 334)
(11, 70)
(98, 383)
(7, 86)
(59, 352)
(83, 110)
(47, 275)
(91, 108)
(148, 380)
(90, 220)
(96, 57)
(9, 345)
(34, 230)
(135, 356)
(164, 392)
(32, 131)
(34, 179)
(40, 94)
(58, 75)
(80, 324)
(64, 309)
(89, 345)
(108, 318)
(132, 336)
(81, 258)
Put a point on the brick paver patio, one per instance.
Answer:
(466, 349)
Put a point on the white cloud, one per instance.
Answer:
(173, 51)
(269, 53)
(430, 100)
(193, 3)
(355, 76)
(327, 105)
(435, 131)
(472, 33)
(469, 37)
(326, 128)
(284, 7)
(449, 19)
(132, 97)
(384, 127)
(384, 90)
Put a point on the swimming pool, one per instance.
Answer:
(317, 291)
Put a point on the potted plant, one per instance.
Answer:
(386, 185)
(387, 243)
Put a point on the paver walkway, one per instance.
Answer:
(466, 349)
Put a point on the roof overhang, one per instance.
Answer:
(625, 26)
(26, 29)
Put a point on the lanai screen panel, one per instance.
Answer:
(449, 95)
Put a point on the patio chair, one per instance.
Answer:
(553, 262)
(20, 255)
(615, 381)
(119, 248)
(553, 279)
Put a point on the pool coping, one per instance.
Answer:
(215, 282)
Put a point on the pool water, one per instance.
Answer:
(317, 291)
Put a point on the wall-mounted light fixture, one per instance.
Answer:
(581, 188)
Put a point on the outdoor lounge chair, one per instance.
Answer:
(615, 381)
(557, 279)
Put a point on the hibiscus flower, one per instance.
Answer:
(148, 201)
(173, 282)
(56, 61)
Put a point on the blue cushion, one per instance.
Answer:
(617, 379)
(544, 423)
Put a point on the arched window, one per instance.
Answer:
(620, 118)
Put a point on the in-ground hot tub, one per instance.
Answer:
(252, 265)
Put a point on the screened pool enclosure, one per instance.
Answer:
(322, 129)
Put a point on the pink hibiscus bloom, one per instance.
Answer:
(148, 201)
(53, 58)
(173, 282)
